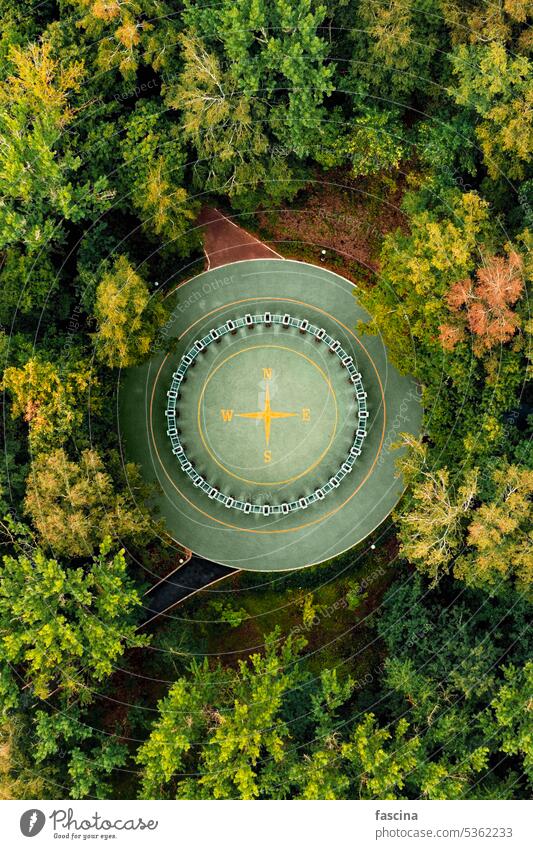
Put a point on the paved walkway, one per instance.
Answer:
(225, 241)
(195, 575)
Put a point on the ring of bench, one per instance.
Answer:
(232, 326)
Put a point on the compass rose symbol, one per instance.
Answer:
(267, 415)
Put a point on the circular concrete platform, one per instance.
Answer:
(267, 420)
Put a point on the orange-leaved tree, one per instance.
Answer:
(484, 305)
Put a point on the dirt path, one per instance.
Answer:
(226, 242)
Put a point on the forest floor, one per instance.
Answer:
(347, 218)
(339, 632)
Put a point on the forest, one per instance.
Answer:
(398, 136)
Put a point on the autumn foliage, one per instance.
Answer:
(484, 306)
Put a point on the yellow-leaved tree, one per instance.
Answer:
(53, 401)
(74, 505)
(499, 535)
(127, 316)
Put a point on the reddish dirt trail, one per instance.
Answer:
(226, 242)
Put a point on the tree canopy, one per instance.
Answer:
(398, 138)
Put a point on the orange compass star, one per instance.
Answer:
(267, 414)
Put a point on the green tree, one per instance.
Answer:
(252, 90)
(26, 283)
(481, 21)
(509, 717)
(38, 180)
(128, 35)
(155, 175)
(419, 267)
(478, 526)
(320, 776)
(223, 123)
(374, 142)
(224, 612)
(445, 653)
(237, 726)
(18, 778)
(276, 46)
(334, 692)
(381, 759)
(432, 529)
(21, 25)
(185, 716)
(394, 45)
(89, 757)
(63, 627)
(34, 111)
(452, 239)
(253, 730)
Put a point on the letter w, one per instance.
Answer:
(227, 415)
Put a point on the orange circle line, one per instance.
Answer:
(326, 515)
